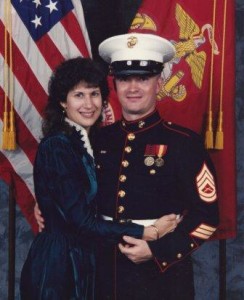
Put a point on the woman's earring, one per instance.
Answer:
(105, 104)
(63, 115)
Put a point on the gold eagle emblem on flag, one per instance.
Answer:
(191, 37)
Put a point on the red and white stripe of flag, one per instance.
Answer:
(33, 63)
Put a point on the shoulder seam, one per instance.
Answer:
(175, 130)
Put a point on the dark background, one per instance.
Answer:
(105, 18)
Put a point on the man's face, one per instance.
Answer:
(137, 94)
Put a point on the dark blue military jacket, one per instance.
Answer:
(149, 168)
(60, 264)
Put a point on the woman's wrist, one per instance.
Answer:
(156, 230)
(150, 233)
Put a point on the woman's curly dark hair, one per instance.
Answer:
(64, 78)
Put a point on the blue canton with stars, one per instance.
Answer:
(39, 16)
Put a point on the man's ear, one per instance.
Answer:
(159, 83)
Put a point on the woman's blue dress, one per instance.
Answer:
(60, 264)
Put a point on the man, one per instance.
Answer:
(146, 168)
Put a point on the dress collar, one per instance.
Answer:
(141, 124)
(83, 135)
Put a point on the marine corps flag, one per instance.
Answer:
(198, 88)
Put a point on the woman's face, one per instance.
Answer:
(83, 105)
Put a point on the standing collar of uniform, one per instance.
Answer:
(141, 124)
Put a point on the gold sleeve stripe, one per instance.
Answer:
(203, 231)
(207, 227)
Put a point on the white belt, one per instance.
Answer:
(147, 222)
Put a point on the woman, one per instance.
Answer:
(60, 263)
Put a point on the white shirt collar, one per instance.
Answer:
(84, 135)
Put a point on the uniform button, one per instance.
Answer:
(121, 193)
(125, 163)
(192, 245)
(98, 166)
(120, 209)
(164, 264)
(152, 172)
(141, 124)
(128, 149)
(131, 136)
(179, 255)
(122, 178)
(123, 123)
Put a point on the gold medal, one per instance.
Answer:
(161, 150)
(149, 161)
(159, 162)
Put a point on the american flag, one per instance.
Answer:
(44, 33)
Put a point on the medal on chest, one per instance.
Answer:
(160, 152)
(149, 155)
(154, 155)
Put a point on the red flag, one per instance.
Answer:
(199, 79)
(44, 33)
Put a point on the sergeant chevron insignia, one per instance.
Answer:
(206, 185)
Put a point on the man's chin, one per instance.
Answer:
(134, 114)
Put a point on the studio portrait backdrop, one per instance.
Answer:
(198, 92)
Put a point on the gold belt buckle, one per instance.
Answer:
(125, 221)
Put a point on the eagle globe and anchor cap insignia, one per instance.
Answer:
(190, 39)
(132, 41)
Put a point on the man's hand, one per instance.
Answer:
(136, 250)
(39, 218)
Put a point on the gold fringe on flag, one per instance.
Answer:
(12, 130)
(9, 133)
(219, 141)
(209, 144)
(5, 131)
(5, 113)
(209, 131)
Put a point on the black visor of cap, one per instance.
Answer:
(136, 67)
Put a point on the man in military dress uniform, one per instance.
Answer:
(146, 168)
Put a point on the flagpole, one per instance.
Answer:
(11, 245)
(222, 269)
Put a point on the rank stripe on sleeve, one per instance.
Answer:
(206, 185)
(203, 231)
